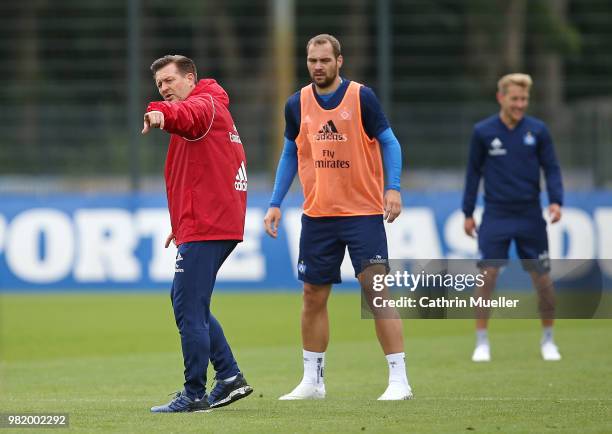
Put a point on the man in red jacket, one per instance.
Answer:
(206, 184)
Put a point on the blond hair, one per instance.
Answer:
(518, 79)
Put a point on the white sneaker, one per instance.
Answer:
(305, 391)
(482, 353)
(550, 352)
(396, 392)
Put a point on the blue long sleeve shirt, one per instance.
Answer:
(375, 125)
(511, 161)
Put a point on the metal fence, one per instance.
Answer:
(76, 76)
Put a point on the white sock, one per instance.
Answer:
(397, 368)
(482, 337)
(547, 335)
(314, 364)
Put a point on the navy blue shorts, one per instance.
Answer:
(324, 240)
(528, 231)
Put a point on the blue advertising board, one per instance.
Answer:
(74, 242)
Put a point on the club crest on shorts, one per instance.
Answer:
(544, 260)
(301, 267)
(378, 260)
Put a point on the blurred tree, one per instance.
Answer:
(495, 37)
(513, 51)
(29, 73)
(590, 64)
(65, 64)
(359, 46)
(553, 38)
(484, 37)
(498, 42)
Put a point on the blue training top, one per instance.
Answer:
(510, 160)
(374, 123)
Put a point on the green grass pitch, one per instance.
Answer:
(107, 358)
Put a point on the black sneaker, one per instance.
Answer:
(224, 393)
(182, 404)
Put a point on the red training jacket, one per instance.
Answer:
(205, 171)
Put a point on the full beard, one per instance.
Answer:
(327, 81)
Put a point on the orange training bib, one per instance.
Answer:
(340, 167)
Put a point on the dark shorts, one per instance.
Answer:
(528, 231)
(324, 240)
